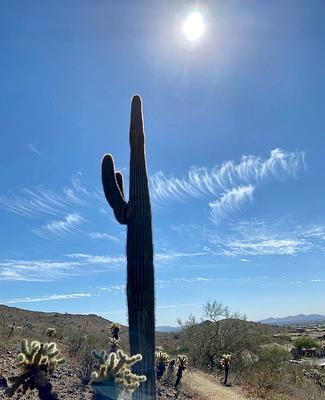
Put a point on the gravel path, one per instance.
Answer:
(205, 387)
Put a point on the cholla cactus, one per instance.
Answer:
(161, 363)
(51, 332)
(182, 362)
(225, 363)
(225, 360)
(112, 376)
(12, 328)
(115, 329)
(115, 344)
(37, 361)
(170, 371)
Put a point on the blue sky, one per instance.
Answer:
(235, 147)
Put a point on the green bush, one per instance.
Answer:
(305, 342)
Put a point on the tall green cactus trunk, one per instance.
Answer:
(136, 214)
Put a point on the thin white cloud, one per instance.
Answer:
(251, 170)
(38, 202)
(162, 284)
(160, 257)
(74, 264)
(104, 236)
(36, 270)
(96, 259)
(265, 247)
(229, 201)
(53, 297)
(33, 149)
(66, 226)
(255, 237)
(169, 256)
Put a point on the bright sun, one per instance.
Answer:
(193, 27)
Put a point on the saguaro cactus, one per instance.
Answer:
(136, 214)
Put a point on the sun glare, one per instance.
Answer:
(193, 26)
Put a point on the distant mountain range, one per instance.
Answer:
(295, 319)
(169, 329)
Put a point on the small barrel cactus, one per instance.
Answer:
(37, 362)
(161, 363)
(112, 376)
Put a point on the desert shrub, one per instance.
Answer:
(86, 365)
(75, 342)
(85, 359)
(305, 342)
(219, 332)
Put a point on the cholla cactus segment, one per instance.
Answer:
(162, 357)
(115, 344)
(115, 329)
(161, 363)
(182, 360)
(225, 360)
(37, 361)
(112, 372)
(51, 332)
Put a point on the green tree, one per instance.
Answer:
(305, 342)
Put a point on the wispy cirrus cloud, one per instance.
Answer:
(169, 256)
(33, 149)
(256, 237)
(39, 201)
(103, 236)
(232, 184)
(53, 297)
(73, 265)
(271, 246)
(36, 270)
(68, 225)
(230, 200)
(251, 169)
(160, 257)
(97, 259)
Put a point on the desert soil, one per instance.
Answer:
(205, 387)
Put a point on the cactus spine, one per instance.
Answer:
(136, 214)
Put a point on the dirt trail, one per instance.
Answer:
(204, 387)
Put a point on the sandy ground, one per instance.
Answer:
(204, 387)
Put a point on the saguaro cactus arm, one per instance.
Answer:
(113, 188)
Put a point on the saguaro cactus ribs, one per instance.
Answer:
(136, 214)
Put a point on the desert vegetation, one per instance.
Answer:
(65, 357)
(252, 355)
(76, 365)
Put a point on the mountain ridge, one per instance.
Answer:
(294, 319)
